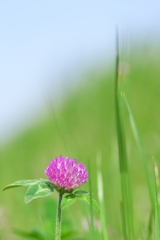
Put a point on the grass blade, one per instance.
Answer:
(127, 213)
(101, 201)
(140, 147)
(91, 203)
(157, 216)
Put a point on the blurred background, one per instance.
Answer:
(45, 46)
(57, 97)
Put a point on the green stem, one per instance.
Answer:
(58, 218)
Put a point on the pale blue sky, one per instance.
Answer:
(41, 41)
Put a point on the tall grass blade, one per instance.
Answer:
(157, 216)
(150, 226)
(101, 200)
(127, 213)
(91, 203)
(140, 147)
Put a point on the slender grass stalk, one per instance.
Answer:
(126, 205)
(91, 203)
(150, 227)
(140, 147)
(157, 216)
(58, 218)
(145, 165)
(101, 200)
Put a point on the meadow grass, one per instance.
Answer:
(126, 201)
(85, 128)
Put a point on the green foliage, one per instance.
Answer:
(22, 183)
(157, 210)
(31, 235)
(81, 195)
(126, 188)
(87, 199)
(103, 215)
(37, 188)
(68, 200)
(46, 232)
(141, 150)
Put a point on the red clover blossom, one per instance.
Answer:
(66, 174)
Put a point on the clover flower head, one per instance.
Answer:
(66, 174)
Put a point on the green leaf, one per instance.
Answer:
(86, 198)
(81, 192)
(41, 189)
(68, 200)
(33, 234)
(22, 183)
(69, 234)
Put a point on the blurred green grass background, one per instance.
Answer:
(84, 127)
